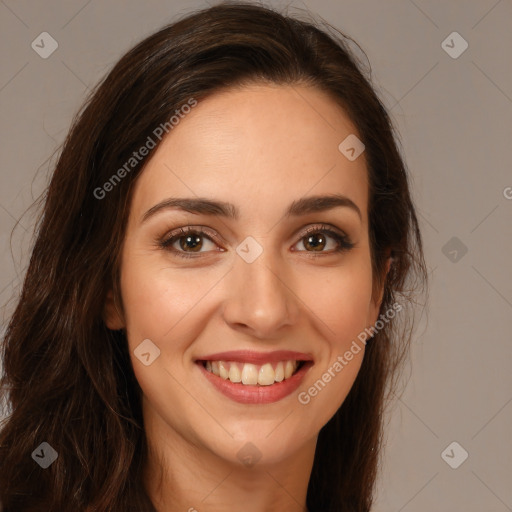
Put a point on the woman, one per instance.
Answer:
(218, 298)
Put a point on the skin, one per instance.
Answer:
(259, 147)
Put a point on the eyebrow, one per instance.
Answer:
(205, 206)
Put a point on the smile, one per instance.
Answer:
(249, 374)
(255, 378)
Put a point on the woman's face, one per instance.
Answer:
(258, 284)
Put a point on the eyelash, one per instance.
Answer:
(344, 243)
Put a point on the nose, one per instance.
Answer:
(261, 301)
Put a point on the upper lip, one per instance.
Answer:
(249, 356)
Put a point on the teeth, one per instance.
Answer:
(234, 373)
(223, 371)
(288, 369)
(279, 373)
(252, 374)
(266, 375)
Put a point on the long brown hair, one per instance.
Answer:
(68, 379)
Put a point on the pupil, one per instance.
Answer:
(321, 244)
(193, 240)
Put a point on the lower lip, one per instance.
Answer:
(246, 394)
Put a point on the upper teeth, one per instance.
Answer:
(252, 374)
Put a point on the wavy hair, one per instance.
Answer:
(68, 379)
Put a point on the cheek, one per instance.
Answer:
(170, 307)
(339, 306)
(338, 300)
(158, 300)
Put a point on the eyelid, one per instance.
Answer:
(321, 228)
(176, 233)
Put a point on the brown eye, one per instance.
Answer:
(316, 239)
(187, 242)
(315, 242)
(192, 242)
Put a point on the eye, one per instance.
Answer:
(187, 242)
(316, 239)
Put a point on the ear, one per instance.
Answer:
(111, 315)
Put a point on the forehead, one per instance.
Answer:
(259, 147)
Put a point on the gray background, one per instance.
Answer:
(455, 120)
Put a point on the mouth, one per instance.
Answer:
(255, 378)
(249, 374)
